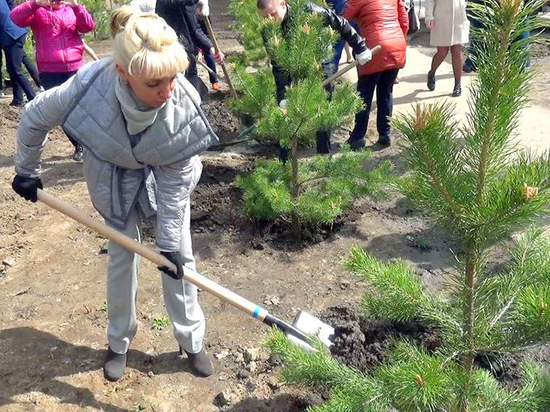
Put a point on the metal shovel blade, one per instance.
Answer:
(312, 326)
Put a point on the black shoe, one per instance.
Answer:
(357, 144)
(78, 153)
(115, 365)
(17, 104)
(200, 364)
(431, 81)
(382, 144)
(457, 91)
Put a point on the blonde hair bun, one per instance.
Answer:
(145, 45)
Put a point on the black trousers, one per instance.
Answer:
(50, 80)
(29, 65)
(14, 59)
(383, 83)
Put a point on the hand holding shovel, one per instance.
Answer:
(350, 66)
(303, 325)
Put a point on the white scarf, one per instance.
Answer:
(138, 117)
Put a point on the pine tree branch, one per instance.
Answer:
(502, 312)
(440, 187)
(312, 179)
(250, 94)
(488, 129)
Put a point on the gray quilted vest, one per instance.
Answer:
(117, 165)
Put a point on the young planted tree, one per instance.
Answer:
(475, 183)
(315, 190)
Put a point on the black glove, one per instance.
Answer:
(176, 259)
(27, 187)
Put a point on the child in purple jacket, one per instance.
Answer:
(56, 27)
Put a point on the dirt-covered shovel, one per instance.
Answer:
(299, 332)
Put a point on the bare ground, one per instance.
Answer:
(52, 314)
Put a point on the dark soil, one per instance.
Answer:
(225, 124)
(362, 343)
(216, 201)
(281, 403)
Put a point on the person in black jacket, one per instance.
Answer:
(279, 10)
(181, 16)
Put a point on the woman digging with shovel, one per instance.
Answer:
(140, 123)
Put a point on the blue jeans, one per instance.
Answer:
(383, 83)
(208, 58)
(14, 59)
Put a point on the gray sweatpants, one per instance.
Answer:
(180, 297)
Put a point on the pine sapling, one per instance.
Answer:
(300, 52)
(472, 180)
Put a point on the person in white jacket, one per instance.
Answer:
(141, 126)
(450, 29)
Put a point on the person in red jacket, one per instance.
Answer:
(384, 23)
(56, 27)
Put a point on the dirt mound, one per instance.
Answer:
(362, 343)
(224, 123)
(281, 403)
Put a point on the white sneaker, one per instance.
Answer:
(42, 88)
(2, 94)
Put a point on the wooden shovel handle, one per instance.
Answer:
(217, 49)
(350, 66)
(155, 257)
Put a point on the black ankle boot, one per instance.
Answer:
(200, 364)
(457, 91)
(115, 365)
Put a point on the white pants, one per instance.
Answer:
(180, 297)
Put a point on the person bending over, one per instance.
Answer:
(142, 129)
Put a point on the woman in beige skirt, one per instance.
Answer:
(449, 29)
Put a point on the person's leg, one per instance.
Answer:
(457, 61)
(31, 68)
(182, 305)
(192, 76)
(122, 282)
(211, 63)
(14, 59)
(365, 88)
(384, 102)
(1, 77)
(323, 136)
(50, 80)
(208, 58)
(323, 141)
(525, 35)
(438, 58)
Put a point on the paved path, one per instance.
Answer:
(534, 127)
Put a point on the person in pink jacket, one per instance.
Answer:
(56, 27)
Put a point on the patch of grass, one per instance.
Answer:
(422, 243)
(160, 323)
